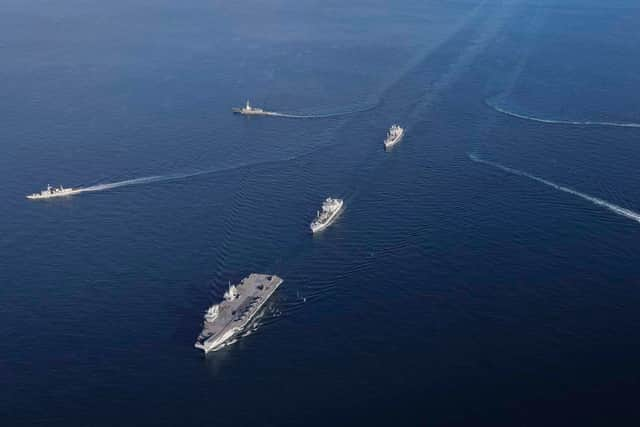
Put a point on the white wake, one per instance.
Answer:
(319, 116)
(628, 213)
(562, 122)
(136, 181)
(171, 177)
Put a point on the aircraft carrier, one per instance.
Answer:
(226, 320)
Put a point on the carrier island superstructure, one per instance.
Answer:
(227, 320)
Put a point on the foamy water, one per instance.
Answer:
(562, 122)
(321, 116)
(628, 213)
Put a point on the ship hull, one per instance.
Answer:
(52, 196)
(330, 221)
(251, 113)
(389, 144)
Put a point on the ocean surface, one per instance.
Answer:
(484, 272)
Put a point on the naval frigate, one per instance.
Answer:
(51, 192)
(248, 110)
(229, 318)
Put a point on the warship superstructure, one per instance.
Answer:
(229, 318)
(248, 110)
(324, 218)
(393, 136)
(51, 192)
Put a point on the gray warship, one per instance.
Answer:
(51, 192)
(394, 136)
(324, 218)
(228, 319)
(248, 110)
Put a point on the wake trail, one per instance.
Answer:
(184, 175)
(320, 116)
(172, 177)
(561, 122)
(142, 181)
(136, 181)
(628, 213)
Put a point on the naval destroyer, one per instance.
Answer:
(394, 136)
(248, 110)
(51, 192)
(228, 319)
(325, 217)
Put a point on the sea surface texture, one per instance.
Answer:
(485, 271)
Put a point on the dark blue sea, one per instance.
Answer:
(484, 272)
